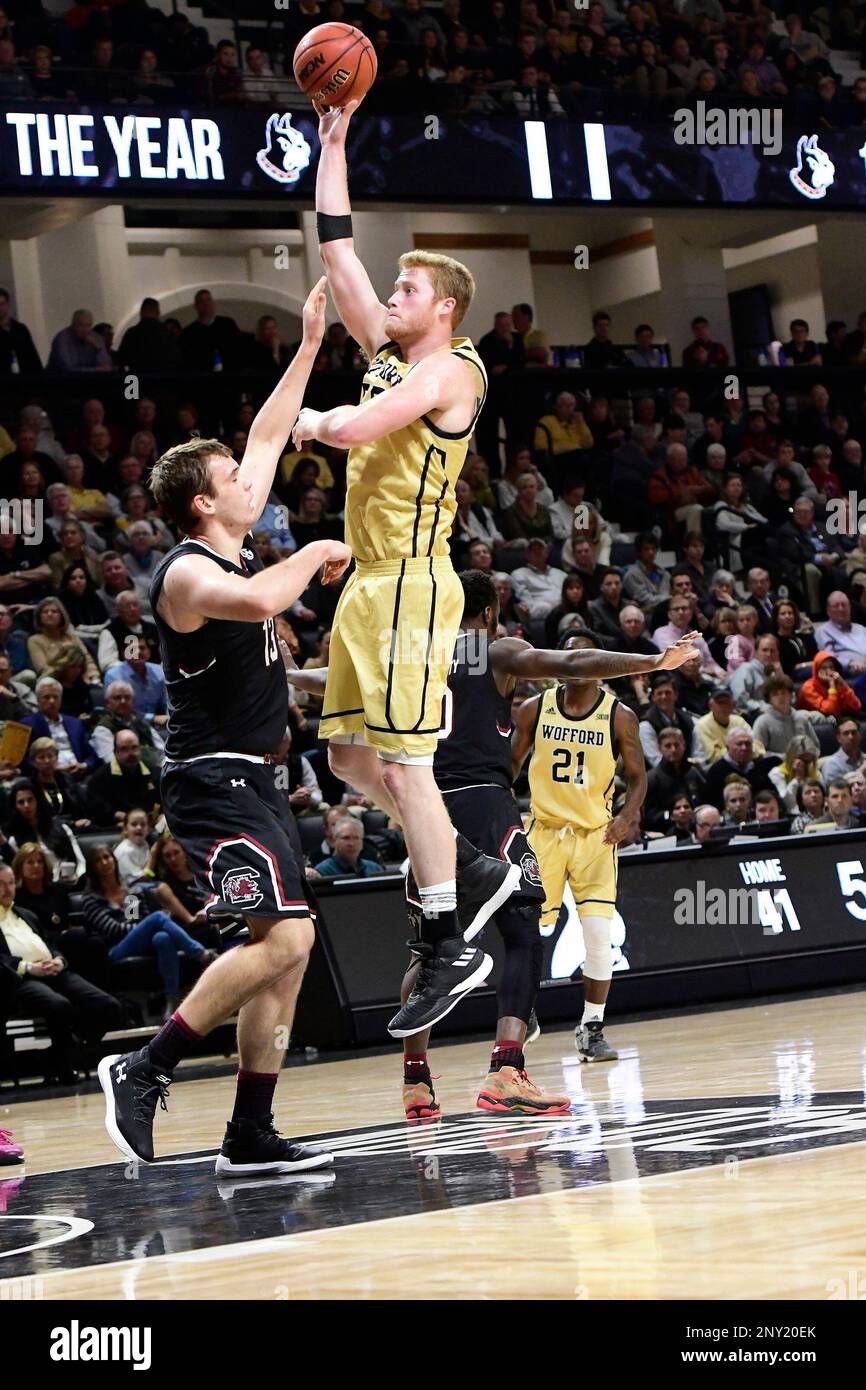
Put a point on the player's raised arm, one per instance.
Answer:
(438, 383)
(313, 681)
(273, 423)
(197, 588)
(513, 657)
(634, 766)
(523, 733)
(356, 300)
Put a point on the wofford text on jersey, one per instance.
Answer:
(563, 733)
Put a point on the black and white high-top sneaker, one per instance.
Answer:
(483, 885)
(447, 972)
(133, 1087)
(254, 1146)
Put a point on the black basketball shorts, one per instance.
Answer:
(235, 826)
(490, 818)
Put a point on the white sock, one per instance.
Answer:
(592, 1013)
(439, 897)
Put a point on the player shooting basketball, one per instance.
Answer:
(407, 442)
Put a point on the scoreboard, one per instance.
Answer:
(74, 150)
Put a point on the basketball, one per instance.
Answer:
(335, 64)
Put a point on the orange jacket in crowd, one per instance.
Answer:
(666, 490)
(837, 699)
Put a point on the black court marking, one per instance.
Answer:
(178, 1205)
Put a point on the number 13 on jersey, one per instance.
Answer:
(272, 650)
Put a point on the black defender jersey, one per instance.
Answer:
(226, 681)
(475, 739)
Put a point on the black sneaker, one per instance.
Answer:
(482, 886)
(446, 974)
(132, 1086)
(591, 1044)
(533, 1029)
(254, 1146)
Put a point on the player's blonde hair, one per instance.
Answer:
(451, 279)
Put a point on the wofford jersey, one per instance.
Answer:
(226, 682)
(574, 756)
(400, 500)
(475, 740)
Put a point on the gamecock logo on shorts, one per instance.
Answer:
(530, 869)
(240, 888)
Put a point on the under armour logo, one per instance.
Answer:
(120, 1074)
(238, 782)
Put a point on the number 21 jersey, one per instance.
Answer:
(226, 683)
(571, 772)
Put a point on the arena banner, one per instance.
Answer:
(688, 907)
(706, 157)
(744, 901)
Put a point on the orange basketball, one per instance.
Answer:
(334, 64)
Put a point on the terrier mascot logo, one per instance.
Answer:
(815, 170)
(280, 136)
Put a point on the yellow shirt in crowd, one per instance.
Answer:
(713, 734)
(84, 497)
(553, 433)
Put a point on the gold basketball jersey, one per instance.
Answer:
(572, 767)
(400, 501)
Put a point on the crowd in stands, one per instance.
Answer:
(474, 57)
(629, 517)
(213, 343)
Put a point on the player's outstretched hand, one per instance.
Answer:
(682, 651)
(288, 660)
(305, 428)
(337, 563)
(334, 122)
(314, 313)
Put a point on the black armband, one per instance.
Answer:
(331, 227)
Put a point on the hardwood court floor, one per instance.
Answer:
(723, 1156)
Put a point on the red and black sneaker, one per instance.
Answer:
(509, 1091)
(419, 1101)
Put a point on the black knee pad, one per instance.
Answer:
(518, 922)
(524, 952)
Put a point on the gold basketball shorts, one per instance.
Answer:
(581, 859)
(392, 642)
